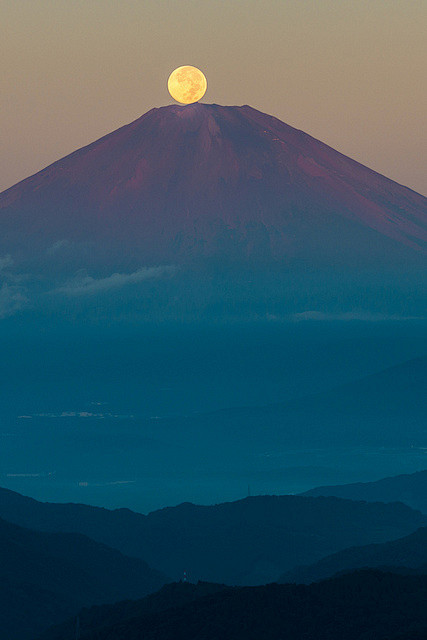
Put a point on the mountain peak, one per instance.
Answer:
(205, 180)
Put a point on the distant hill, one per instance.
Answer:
(250, 541)
(387, 408)
(408, 488)
(403, 554)
(45, 577)
(365, 604)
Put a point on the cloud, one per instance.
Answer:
(12, 300)
(84, 284)
(57, 246)
(6, 262)
(106, 484)
(44, 474)
(24, 475)
(78, 414)
(10, 275)
(346, 316)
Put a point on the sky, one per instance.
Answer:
(351, 73)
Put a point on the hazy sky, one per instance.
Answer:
(349, 72)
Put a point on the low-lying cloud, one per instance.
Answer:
(83, 284)
(12, 300)
(6, 262)
(345, 316)
(57, 246)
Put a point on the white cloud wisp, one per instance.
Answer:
(84, 284)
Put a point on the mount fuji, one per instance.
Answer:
(227, 202)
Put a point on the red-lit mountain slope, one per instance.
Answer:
(204, 181)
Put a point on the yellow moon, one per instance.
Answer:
(187, 84)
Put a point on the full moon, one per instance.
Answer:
(187, 84)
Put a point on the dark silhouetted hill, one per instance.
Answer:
(403, 554)
(173, 595)
(363, 605)
(408, 488)
(251, 541)
(45, 577)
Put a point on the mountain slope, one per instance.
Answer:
(409, 552)
(46, 577)
(409, 488)
(204, 211)
(365, 604)
(250, 541)
(205, 180)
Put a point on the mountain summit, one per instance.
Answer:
(199, 181)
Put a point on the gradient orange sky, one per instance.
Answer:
(349, 72)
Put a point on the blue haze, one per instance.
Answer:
(138, 382)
